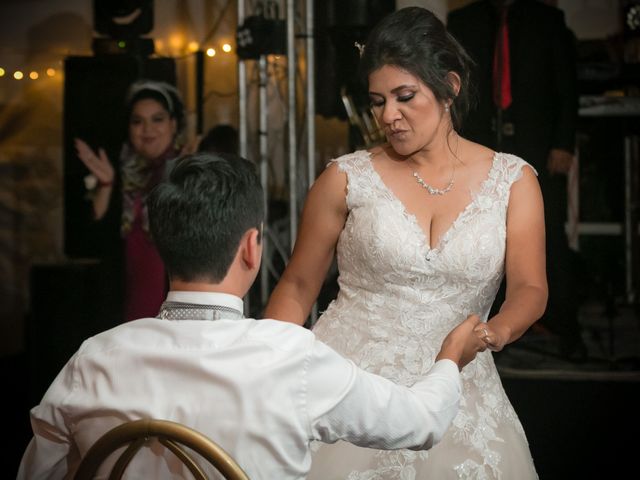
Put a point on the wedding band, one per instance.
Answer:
(486, 333)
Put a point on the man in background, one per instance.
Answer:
(222, 138)
(527, 105)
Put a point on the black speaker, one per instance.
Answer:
(123, 18)
(352, 13)
(338, 25)
(259, 35)
(68, 303)
(94, 110)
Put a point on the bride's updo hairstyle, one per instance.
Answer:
(415, 40)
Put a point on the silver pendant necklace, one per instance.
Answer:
(433, 190)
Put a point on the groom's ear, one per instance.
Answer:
(251, 249)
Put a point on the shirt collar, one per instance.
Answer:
(207, 298)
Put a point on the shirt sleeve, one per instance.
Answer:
(51, 453)
(347, 403)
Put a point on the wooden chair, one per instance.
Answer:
(172, 435)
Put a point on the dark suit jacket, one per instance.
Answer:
(543, 77)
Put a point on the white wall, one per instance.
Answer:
(592, 19)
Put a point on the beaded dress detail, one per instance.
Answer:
(398, 299)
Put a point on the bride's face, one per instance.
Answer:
(406, 109)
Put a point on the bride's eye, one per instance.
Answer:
(375, 103)
(406, 98)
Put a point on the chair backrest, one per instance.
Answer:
(174, 436)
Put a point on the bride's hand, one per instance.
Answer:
(98, 164)
(494, 339)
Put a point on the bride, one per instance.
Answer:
(424, 228)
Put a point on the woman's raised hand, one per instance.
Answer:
(98, 164)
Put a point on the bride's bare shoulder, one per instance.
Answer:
(478, 155)
(378, 151)
(383, 156)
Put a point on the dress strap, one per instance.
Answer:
(512, 167)
(361, 178)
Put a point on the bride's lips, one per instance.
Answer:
(397, 134)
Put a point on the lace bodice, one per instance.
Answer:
(399, 298)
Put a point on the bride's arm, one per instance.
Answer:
(323, 218)
(525, 264)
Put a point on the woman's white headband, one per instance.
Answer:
(162, 88)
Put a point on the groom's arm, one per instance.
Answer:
(373, 412)
(347, 403)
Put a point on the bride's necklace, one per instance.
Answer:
(434, 190)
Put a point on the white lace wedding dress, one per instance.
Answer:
(398, 299)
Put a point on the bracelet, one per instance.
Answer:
(105, 184)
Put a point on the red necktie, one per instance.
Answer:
(501, 67)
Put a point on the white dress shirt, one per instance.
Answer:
(262, 389)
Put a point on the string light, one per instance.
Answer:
(173, 45)
(33, 74)
(175, 42)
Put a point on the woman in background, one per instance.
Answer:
(156, 117)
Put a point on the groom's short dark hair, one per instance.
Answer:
(199, 214)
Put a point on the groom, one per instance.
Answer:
(262, 389)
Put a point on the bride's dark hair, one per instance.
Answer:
(415, 40)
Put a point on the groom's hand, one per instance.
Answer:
(462, 344)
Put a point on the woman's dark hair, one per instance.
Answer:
(415, 40)
(163, 93)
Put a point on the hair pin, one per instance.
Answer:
(360, 47)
